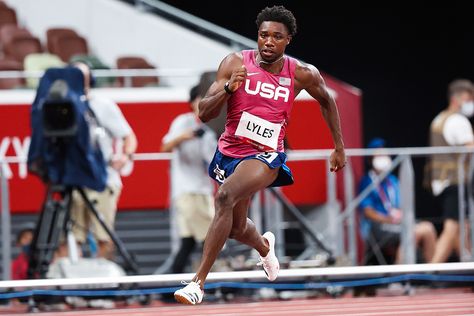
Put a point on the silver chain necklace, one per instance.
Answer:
(267, 62)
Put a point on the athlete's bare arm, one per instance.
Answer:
(307, 77)
(231, 69)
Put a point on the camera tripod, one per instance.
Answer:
(55, 220)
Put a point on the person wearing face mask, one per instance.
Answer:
(451, 127)
(381, 214)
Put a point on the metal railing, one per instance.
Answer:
(126, 74)
(403, 160)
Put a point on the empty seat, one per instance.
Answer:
(11, 83)
(7, 16)
(40, 62)
(66, 46)
(9, 31)
(53, 33)
(136, 62)
(22, 45)
(95, 63)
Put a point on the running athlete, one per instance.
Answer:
(259, 87)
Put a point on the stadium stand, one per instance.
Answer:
(10, 31)
(7, 16)
(40, 62)
(22, 45)
(54, 32)
(66, 46)
(95, 64)
(11, 83)
(137, 62)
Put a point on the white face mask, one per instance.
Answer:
(467, 108)
(381, 163)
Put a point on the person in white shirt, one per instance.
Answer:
(114, 128)
(192, 191)
(451, 127)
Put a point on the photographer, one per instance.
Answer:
(193, 145)
(114, 127)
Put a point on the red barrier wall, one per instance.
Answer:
(147, 186)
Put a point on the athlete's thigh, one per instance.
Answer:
(250, 176)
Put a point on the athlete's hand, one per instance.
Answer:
(237, 78)
(337, 160)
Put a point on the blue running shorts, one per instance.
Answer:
(223, 166)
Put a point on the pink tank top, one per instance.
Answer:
(258, 112)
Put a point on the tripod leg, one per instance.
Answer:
(130, 263)
(53, 218)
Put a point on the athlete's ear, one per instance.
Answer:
(288, 40)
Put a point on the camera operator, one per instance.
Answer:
(114, 127)
(193, 145)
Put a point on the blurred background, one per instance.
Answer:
(402, 60)
(389, 71)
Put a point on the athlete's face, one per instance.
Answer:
(272, 40)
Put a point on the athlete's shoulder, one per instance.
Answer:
(234, 58)
(305, 69)
(307, 74)
(230, 62)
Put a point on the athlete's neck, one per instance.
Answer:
(270, 66)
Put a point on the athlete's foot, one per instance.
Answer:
(191, 294)
(270, 263)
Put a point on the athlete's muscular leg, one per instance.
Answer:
(244, 230)
(249, 177)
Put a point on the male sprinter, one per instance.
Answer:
(259, 87)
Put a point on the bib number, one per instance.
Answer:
(258, 132)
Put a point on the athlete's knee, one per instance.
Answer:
(224, 200)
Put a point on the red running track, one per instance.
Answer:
(446, 302)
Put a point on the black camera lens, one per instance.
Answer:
(59, 118)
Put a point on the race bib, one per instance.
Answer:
(259, 132)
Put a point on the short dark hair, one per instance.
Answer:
(278, 14)
(459, 86)
(193, 93)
